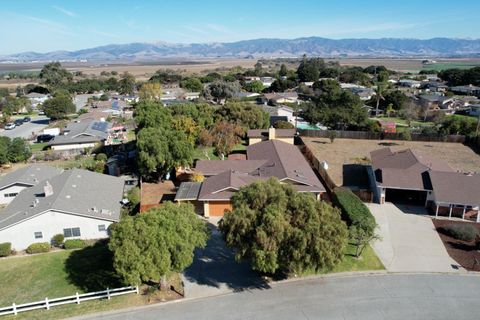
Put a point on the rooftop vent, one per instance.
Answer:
(94, 209)
(106, 212)
(48, 189)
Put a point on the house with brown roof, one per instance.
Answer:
(259, 135)
(409, 177)
(273, 158)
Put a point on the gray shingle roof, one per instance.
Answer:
(214, 167)
(83, 132)
(456, 188)
(75, 191)
(30, 175)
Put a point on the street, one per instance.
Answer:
(356, 297)
(25, 130)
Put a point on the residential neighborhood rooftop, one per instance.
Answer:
(30, 175)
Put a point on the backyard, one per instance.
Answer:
(31, 278)
(344, 152)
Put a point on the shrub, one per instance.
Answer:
(38, 247)
(464, 232)
(5, 249)
(354, 211)
(58, 239)
(101, 157)
(74, 244)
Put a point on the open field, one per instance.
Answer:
(57, 274)
(357, 151)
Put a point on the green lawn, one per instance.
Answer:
(451, 65)
(58, 274)
(37, 146)
(403, 122)
(368, 261)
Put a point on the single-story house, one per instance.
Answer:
(37, 98)
(283, 113)
(259, 135)
(81, 135)
(363, 93)
(191, 95)
(282, 97)
(474, 110)
(267, 81)
(409, 177)
(435, 101)
(13, 183)
(409, 83)
(273, 158)
(76, 203)
(435, 86)
(470, 90)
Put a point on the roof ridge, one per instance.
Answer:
(278, 156)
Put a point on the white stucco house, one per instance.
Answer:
(76, 203)
(13, 183)
(81, 135)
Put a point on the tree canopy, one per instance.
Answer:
(126, 85)
(221, 90)
(54, 75)
(192, 84)
(245, 114)
(161, 241)
(150, 91)
(59, 106)
(280, 230)
(223, 137)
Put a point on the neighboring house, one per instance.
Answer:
(435, 101)
(81, 135)
(388, 126)
(13, 183)
(474, 110)
(434, 86)
(469, 90)
(406, 176)
(76, 203)
(409, 83)
(37, 98)
(191, 95)
(279, 113)
(282, 97)
(267, 81)
(266, 159)
(363, 93)
(259, 135)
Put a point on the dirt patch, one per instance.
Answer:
(463, 252)
(357, 152)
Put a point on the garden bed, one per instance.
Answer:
(464, 252)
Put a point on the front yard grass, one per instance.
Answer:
(57, 274)
(35, 147)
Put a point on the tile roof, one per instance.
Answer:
(76, 191)
(30, 175)
(456, 188)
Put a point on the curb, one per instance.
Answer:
(340, 275)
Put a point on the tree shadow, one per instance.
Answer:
(216, 265)
(91, 268)
(388, 144)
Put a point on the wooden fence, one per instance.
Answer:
(380, 135)
(77, 298)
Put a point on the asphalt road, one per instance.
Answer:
(25, 130)
(358, 297)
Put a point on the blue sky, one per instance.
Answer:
(48, 25)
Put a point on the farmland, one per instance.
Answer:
(357, 151)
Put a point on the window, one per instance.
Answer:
(101, 227)
(71, 232)
(10, 195)
(38, 235)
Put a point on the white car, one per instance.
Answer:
(10, 126)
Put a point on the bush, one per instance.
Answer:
(58, 240)
(101, 157)
(5, 249)
(354, 211)
(74, 244)
(38, 247)
(464, 232)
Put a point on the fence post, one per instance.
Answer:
(47, 304)
(14, 308)
(136, 289)
(78, 298)
(108, 293)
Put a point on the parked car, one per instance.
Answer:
(18, 122)
(27, 119)
(44, 138)
(10, 126)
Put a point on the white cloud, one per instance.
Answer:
(217, 28)
(65, 11)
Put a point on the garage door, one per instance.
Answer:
(411, 197)
(218, 208)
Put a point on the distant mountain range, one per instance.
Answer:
(265, 48)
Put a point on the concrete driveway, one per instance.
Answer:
(214, 270)
(25, 130)
(409, 241)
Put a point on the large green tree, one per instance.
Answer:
(59, 106)
(54, 75)
(126, 85)
(281, 230)
(192, 84)
(223, 137)
(152, 114)
(151, 246)
(245, 114)
(19, 150)
(221, 90)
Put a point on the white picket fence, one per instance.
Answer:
(77, 298)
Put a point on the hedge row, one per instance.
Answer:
(74, 244)
(38, 247)
(5, 249)
(354, 211)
